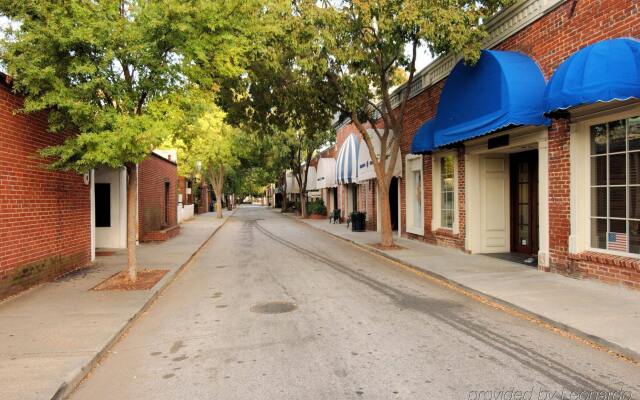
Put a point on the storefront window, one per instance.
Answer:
(615, 185)
(447, 187)
(417, 198)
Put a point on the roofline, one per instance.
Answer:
(164, 159)
(500, 27)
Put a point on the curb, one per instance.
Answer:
(595, 341)
(78, 376)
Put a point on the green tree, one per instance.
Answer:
(214, 147)
(109, 70)
(359, 51)
(277, 98)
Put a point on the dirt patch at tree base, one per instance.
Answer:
(380, 246)
(147, 278)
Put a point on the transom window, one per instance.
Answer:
(447, 188)
(615, 185)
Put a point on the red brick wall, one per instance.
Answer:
(154, 171)
(182, 189)
(205, 199)
(45, 216)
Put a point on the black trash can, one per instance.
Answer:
(358, 221)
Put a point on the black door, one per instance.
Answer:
(524, 202)
(335, 197)
(393, 202)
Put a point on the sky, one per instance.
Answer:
(423, 56)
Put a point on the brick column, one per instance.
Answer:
(559, 203)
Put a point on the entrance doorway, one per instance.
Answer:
(393, 202)
(524, 202)
(334, 197)
(278, 200)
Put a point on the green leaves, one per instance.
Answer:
(114, 72)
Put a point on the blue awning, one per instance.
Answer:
(501, 90)
(347, 161)
(423, 140)
(604, 71)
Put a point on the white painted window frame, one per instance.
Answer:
(437, 191)
(580, 180)
(413, 163)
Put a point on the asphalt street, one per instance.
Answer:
(274, 309)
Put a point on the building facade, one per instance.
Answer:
(51, 222)
(45, 215)
(548, 176)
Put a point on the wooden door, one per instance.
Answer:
(524, 202)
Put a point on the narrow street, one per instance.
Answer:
(273, 309)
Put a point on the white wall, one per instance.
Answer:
(185, 213)
(114, 236)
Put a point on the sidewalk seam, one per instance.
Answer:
(606, 345)
(76, 378)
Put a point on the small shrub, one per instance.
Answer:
(317, 207)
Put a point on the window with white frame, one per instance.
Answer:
(414, 195)
(615, 185)
(447, 191)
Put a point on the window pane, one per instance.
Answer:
(523, 172)
(523, 215)
(599, 233)
(618, 225)
(523, 193)
(617, 169)
(599, 139)
(634, 168)
(449, 200)
(634, 202)
(523, 234)
(634, 237)
(634, 133)
(447, 166)
(447, 184)
(447, 218)
(617, 136)
(599, 170)
(617, 202)
(599, 202)
(417, 205)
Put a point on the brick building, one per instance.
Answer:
(45, 216)
(556, 190)
(51, 222)
(157, 188)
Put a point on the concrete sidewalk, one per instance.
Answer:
(52, 335)
(608, 315)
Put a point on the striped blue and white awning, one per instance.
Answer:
(347, 161)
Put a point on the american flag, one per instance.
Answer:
(617, 241)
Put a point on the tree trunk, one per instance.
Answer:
(132, 221)
(386, 233)
(218, 203)
(285, 201)
(303, 204)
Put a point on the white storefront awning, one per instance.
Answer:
(365, 165)
(347, 161)
(311, 179)
(326, 173)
